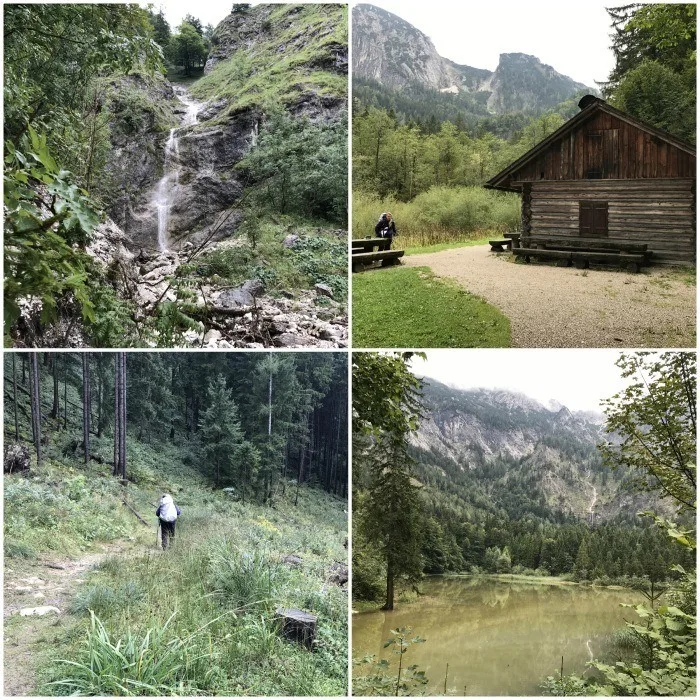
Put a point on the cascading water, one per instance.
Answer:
(167, 187)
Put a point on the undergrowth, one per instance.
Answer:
(317, 257)
(439, 216)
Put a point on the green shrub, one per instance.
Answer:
(440, 215)
(246, 580)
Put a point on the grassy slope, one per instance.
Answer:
(262, 74)
(411, 308)
(224, 567)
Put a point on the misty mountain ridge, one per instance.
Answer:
(496, 449)
(393, 54)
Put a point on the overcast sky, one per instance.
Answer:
(579, 379)
(209, 12)
(570, 37)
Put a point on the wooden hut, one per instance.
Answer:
(605, 176)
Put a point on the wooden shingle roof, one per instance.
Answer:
(592, 107)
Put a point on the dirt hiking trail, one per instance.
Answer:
(50, 581)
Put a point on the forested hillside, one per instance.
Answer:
(509, 485)
(185, 185)
(253, 449)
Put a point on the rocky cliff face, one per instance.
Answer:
(391, 52)
(205, 157)
(515, 443)
(297, 45)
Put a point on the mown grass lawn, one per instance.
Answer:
(403, 307)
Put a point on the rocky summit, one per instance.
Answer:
(390, 52)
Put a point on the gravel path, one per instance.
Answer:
(557, 307)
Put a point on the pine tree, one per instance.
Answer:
(222, 435)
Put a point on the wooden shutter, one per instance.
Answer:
(593, 218)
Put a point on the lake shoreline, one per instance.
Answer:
(365, 606)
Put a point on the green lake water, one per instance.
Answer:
(499, 637)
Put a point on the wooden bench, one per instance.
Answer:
(497, 246)
(583, 251)
(387, 257)
(582, 258)
(601, 245)
(367, 245)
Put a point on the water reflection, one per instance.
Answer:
(499, 637)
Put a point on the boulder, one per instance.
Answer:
(39, 610)
(324, 290)
(290, 241)
(241, 296)
(338, 574)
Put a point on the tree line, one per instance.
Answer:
(251, 423)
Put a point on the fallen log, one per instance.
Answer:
(205, 313)
(135, 513)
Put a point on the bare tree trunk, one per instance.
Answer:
(14, 393)
(55, 408)
(65, 392)
(122, 441)
(117, 413)
(389, 604)
(35, 404)
(268, 478)
(300, 473)
(86, 407)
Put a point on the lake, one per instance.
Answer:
(499, 637)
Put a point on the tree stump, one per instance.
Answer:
(297, 626)
(17, 458)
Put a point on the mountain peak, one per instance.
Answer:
(390, 51)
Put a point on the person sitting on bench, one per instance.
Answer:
(385, 228)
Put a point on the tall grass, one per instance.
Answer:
(440, 215)
(153, 664)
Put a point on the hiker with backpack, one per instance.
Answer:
(168, 514)
(385, 228)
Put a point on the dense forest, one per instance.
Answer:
(424, 155)
(151, 169)
(260, 420)
(419, 512)
(252, 448)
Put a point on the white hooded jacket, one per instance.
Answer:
(168, 511)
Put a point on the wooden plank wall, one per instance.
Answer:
(660, 213)
(613, 147)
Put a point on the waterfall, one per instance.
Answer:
(166, 190)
